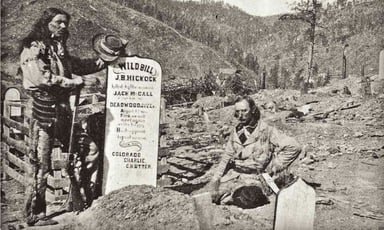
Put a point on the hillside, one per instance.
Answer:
(180, 57)
(258, 42)
(190, 38)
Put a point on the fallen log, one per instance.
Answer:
(370, 215)
(350, 107)
(325, 114)
(312, 102)
(184, 104)
(368, 163)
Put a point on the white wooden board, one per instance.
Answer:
(132, 123)
(295, 207)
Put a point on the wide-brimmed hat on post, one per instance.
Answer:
(108, 46)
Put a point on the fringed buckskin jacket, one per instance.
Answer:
(50, 66)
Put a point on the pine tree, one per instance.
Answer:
(274, 79)
(308, 11)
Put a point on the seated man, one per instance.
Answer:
(253, 148)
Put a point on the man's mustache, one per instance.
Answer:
(62, 31)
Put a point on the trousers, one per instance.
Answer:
(40, 161)
(46, 129)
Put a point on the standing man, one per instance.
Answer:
(253, 148)
(47, 76)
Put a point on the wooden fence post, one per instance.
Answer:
(4, 145)
(381, 65)
(365, 84)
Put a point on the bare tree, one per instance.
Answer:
(307, 11)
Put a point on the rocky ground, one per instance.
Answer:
(344, 158)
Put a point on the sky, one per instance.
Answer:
(264, 7)
(261, 7)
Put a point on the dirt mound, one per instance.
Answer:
(140, 207)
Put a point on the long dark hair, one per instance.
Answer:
(40, 31)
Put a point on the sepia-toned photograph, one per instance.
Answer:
(192, 114)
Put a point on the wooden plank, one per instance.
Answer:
(59, 158)
(184, 104)
(64, 156)
(16, 125)
(17, 161)
(6, 113)
(54, 155)
(204, 212)
(57, 174)
(57, 154)
(16, 103)
(326, 113)
(295, 207)
(57, 183)
(59, 164)
(4, 147)
(19, 145)
(14, 174)
(50, 197)
(268, 179)
(96, 107)
(162, 111)
(92, 95)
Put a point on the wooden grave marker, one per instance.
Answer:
(295, 205)
(132, 123)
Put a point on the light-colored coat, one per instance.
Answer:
(266, 149)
